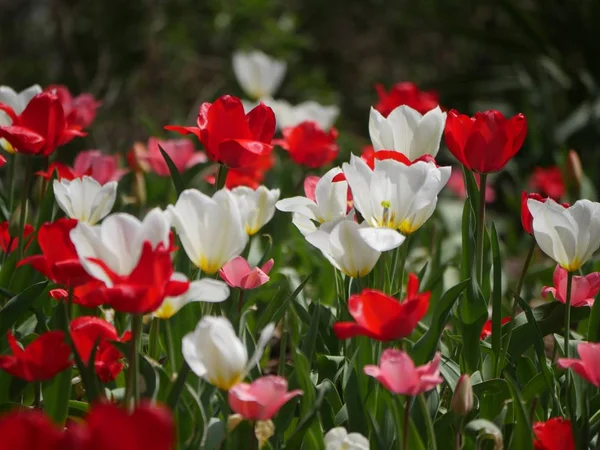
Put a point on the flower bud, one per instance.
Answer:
(574, 171)
(263, 430)
(462, 400)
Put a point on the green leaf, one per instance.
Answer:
(522, 437)
(57, 394)
(496, 296)
(272, 314)
(175, 175)
(482, 429)
(307, 420)
(424, 349)
(19, 304)
(310, 339)
(594, 324)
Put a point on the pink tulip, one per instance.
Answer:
(588, 366)
(101, 167)
(181, 151)
(310, 187)
(398, 373)
(583, 289)
(237, 273)
(261, 399)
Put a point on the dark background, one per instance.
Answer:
(153, 61)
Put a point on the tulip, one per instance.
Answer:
(570, 235)
(132, 259)
(214, 352)
(289, 116)
(394, 195)
(257, 206)
(462, 399)
(405, 93)
(310, 145)
(80, 110)
(210, 228)
(89, 333)
(93, 163)
(245, 138)
(252, 175)
(237, 273)
(339, 439)
(352, 248)
(40, 128)
(9, 243)
(382, 317)
(487, 327)
(18, 101)
(58, 261)
(549, 182)
(258, 74)
(85, 199)
(554, 434)
(573, 170)
(204, 290)
(181, 151)
(47, 355)
(526, 218)
(261, 399)
(583, 288)
(588, 366)
(398, 374)
(328, 204)
(486, 142)
(31, 429)
(407, 131)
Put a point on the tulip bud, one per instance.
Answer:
(574, 171)
(462, 400)
(233, 421)
(263, 430)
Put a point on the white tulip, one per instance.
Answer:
(210, 228)
(352, 248)
(288, 115)
(257, 207)
(394, 195)
(407, 131)
(569, 236)
(258, 74)
(85, 199)
(330, 203)
(339, 439)
(18, 101)
(214, 352)
(118, 242)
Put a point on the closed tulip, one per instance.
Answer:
(310, 145)
(258, 74)
(570, 236)
(405, 93)
(257, 206)
(310, 111)
(18, 101)
(238, 273)
(85, 199)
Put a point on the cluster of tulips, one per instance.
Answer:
(165, 290)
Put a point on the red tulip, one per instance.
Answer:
(549, 182)
(588, 366)
(88, 332)
(181, 151)
(261, 399)
(46, 356)
(2, 160)
(554, 434)
(31, 429)
(583, 289)
(487, 327)
(309, 145)
(230, 136)
(80, 110)
(398, 374)
(382, 317)
(59, 261)
(10, 243)
(405, 93)
(486, 142)
(40, 128)
(456, 184)
(526, 217)
(101, 167)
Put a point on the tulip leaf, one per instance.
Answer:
(521, 437)
(310, 340)
(307, 419)
(482, 429)
(424, 349)
(57, 394)
(274, 315)
(594, 324)
(175, 175)
(19, 304)
(214, 435)
(496, 297)
(492, 395)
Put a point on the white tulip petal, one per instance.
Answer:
(381, 239)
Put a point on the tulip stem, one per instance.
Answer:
(480, 228)
(406, 423)
(567, 336)
(221, 177)
(153, 342)
(511, 324)
(401, 253)
(136, 332)
(428, 422)
(170, 345)
(24, 198)
(178, 386)
(11, 175)
(283, 346)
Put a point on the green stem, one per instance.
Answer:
(24, 198)
(178, 386)
(403, 257)
(132, 382)
(170, 345)
(283, 347)
(511, 324)
(11, 175)
(153, 342)
(567, 332)
(428, 422)
(406, 423)
(480, 228)
(221, 177)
